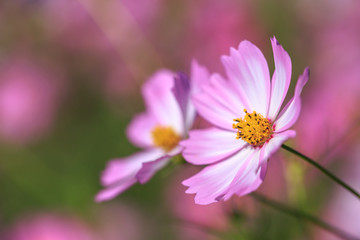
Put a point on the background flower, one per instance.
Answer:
(343, 209)
(50, 226)
(197, 221)
(158, 131)
(29, 99)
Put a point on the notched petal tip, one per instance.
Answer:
(186, 184)
(233, 52)
(225, 59)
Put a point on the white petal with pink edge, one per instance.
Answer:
(281, 78)
(161, 102)
(123, 170)
(214, 180)
(248, 73)
(291, 111)
(218, 103)
(207, 146)
(248, 178)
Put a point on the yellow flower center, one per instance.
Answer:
(253, 128)
(165, 137)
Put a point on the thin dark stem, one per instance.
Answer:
(324, 170)
(303, 216)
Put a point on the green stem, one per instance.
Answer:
(303, 216)
(322, 169)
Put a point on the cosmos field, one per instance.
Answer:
(192, 119)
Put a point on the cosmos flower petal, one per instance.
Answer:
(221, 90)
(125, 169)
(161, 102)
(148, 169)
(181, 91)
(248, 73)
(139, 130)
(290, 113)
(218, 103)
(113, 191)
(212, 181)
(274, 144)
(206, 146)
(281, 78)
(248, 178)
(263, 169)
(199, 76)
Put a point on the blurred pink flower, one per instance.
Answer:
(122, 221)
(99, 35)
(183, 206)
(239, 166)
(194, 221)
(214, 25)
(50, 227)
(332, 100)
(169, 116)
(144, 12)
(343, 209)
(70, 25)
(118, 82)
(99, 27)
(29, 96)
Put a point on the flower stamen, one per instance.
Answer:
(253, 128)
(165, 137)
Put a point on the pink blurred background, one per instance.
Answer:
(70, 78)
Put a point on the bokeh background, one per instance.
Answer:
(70, 79)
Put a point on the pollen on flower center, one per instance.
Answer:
(165, 137)
(253, 128)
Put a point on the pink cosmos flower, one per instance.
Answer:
(158, 131)
(29, 99)
(330, 130)
(248, 126)
(214, 25)
(49, 226)
(122, 220)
